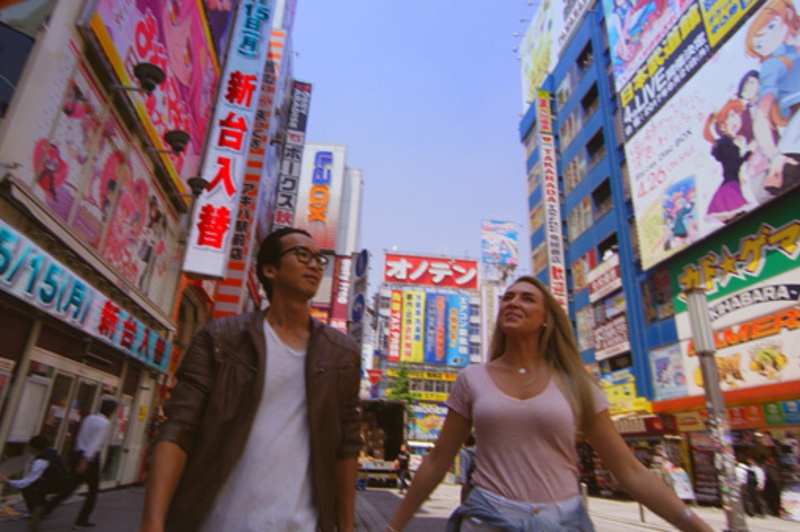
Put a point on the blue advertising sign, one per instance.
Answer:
(457, 330)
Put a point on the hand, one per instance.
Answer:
(82, 466)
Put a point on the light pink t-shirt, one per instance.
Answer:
(525, 448)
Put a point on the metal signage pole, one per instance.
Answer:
(724, 458)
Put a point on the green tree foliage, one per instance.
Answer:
(400, 386)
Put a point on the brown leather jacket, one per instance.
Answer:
(212, 408)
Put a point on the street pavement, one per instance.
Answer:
(119, 510)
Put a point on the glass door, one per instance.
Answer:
(81, 406)
(57, 408)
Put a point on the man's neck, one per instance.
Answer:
(290, 322)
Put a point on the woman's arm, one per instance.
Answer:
(635, 479)
(454, 432)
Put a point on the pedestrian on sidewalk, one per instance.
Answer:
(46, 475)
(85, 462)
(262, 430)
(401, 466)
(528, 405)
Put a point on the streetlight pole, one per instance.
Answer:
(724, 458)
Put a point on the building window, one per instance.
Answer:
(601, 197)
(596, 149)
(585, 59)
(590, 102)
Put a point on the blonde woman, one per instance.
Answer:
(528, 405)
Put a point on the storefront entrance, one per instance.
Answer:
(58, 394)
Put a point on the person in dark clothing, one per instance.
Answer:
(401, 465)
(46, 474)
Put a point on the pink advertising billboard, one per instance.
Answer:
(173, 35)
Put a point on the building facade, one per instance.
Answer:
(625, 168)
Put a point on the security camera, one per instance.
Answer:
(176, 139)
(149, 76)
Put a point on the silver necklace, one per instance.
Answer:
(522, 371)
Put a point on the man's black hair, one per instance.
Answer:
(39, 442)
(270, 253)
(108, 407)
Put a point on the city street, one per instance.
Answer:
(119, 511)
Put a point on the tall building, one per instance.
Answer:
(647, 175)
(100, 138)
(428, 324)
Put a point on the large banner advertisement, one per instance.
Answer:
(430, 271)
(711, 156)
(457, 330)
(752, 280)
(29, 273)
(675, 56)
(224, 162)
(539, 48)
(499, 242)
(173, 35)
(426, 420)
(81, 164)
(411, 338)
(319, 198)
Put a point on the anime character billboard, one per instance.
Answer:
(709, 157)
(174, 35)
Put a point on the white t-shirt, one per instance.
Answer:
(525, 448)
(271, 486)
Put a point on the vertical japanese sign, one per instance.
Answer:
(357, 304)
(552, 200)
(292, 157)
(230, 296)
(457, 330)
(224, 164)
(435, 329)
(342, 271)
(412, 349)
(395, 325)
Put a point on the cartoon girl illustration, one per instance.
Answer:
(728, 145)
(772, 38)
(755, 169)
(189, 63)
(51, 170)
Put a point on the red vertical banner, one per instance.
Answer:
(395, 322)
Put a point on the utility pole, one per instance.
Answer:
(724, 458)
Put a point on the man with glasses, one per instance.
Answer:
(263, 427)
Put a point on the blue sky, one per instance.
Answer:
(426, 95)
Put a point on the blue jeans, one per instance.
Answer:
(487, 511)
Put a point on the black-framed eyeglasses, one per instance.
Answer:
(305, 255)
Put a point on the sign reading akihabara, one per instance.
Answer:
(430, 271)
(228, 143)
(723, 138)
(752, 278)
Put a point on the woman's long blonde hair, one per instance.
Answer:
(557, 342)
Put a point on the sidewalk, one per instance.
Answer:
(119, 510)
